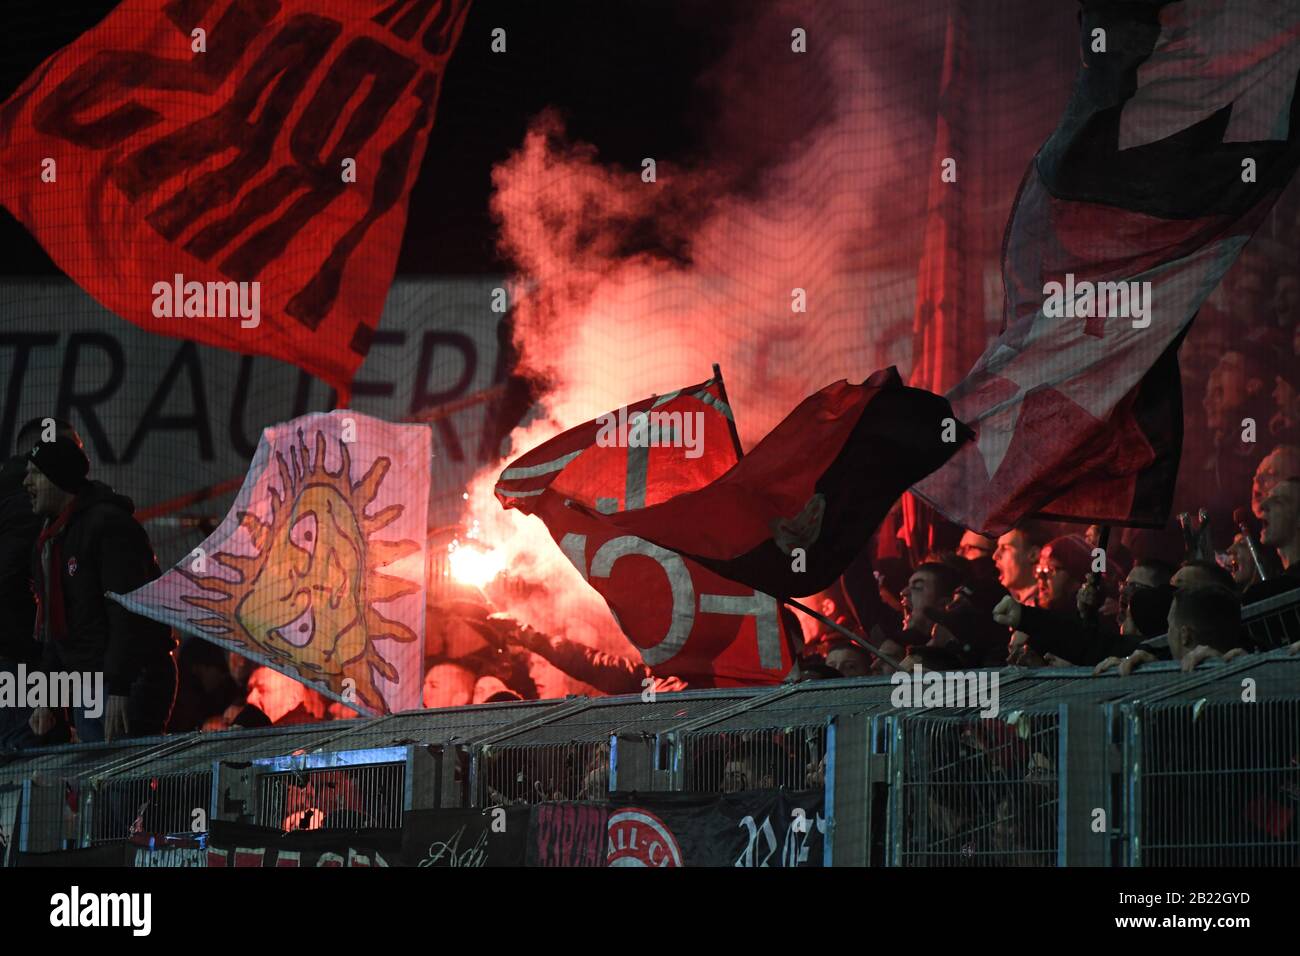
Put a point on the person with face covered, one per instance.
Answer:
(1055, 629)
(89, 544)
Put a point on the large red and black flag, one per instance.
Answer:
(795, 512)
(1179, 136)
(683, 619)
(194, 145)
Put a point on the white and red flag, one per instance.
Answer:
(683, 619)
(1179, 137)
(792, 515)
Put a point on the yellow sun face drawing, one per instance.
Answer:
(306, 597)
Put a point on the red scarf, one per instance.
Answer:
(50, 593)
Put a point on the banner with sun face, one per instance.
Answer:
(318, 571)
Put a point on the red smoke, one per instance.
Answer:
(815, 180)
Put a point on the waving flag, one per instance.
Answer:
(234, 172)
(796, 511)
(1181, 134)
(683, 619)
(318, 570)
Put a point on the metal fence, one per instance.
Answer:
(1273, 622)
(163, 803)
(790, 758)
(1160, 767)
(537, 773)
(975, 792)
(347, 798)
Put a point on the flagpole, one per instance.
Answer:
(791, 646)
(856, 639)
(731, 418)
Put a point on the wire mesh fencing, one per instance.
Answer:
(1273, 622)
(976, 792)
(537, 773)
(1217, 784)
(1189, 768)
(352, 798)
(790, 758)
(164, 803)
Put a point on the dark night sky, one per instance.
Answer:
(622, 75)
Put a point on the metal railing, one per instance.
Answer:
(1161, 767)
(975, 792)
(1273, 622)
(539, 773)
(790, 758)
(348, 798)
(160, 804)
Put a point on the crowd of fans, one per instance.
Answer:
(1040, 595)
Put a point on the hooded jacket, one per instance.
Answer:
(103, 548)
(18, 530)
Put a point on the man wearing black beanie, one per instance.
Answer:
(90, 544)
(18, 531)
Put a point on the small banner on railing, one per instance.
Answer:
(496, 836)
(243, 845)
(750, 829)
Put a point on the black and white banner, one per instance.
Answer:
(749, 829)
(496, 836)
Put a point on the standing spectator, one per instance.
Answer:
(206, 687)
(1282, 521)
(929, 590)
(1282, 462)
(1281, 530)
(849, 660)
(1054, 629)
(1284, 426)
(448, 684)
(284, 700)
(19, 527)
(91, 544)
(1144, 599)
(1204, 622)
(1232, 395)
(1286, 302)
(1063, 565)
(974, 546)
(1016, 557)
(1244, 572)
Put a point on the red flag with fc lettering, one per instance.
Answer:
(684, 620)
(235, 173)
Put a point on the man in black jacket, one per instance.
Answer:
(91, 544)
(18, 530)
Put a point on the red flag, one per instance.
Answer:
(233, 173)
(795, 512)
(685, 620)
(1177, 141)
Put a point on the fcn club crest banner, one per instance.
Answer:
(318, 569)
